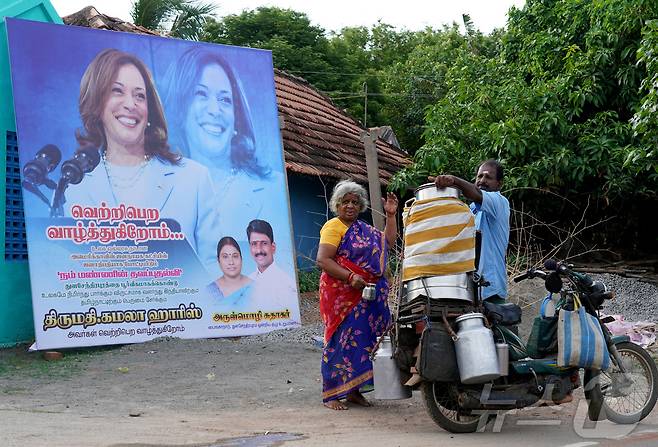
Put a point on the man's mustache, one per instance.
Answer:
(260, 253)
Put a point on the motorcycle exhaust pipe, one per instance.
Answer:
(496, 400)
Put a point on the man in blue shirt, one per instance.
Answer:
(492, 212)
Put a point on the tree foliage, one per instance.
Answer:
(296, 45)
(567, 101)
(177, 18)
(644, 157)
(345, 65)
(420, 80)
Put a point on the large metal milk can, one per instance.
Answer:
(450, 287)
(476, 350)
(386, 374)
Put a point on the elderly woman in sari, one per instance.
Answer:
(351, 255)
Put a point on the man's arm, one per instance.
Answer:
(469, 190)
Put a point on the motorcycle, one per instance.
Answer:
(428, 355)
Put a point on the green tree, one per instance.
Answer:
(566, 99)
(366, 56)
(177, 18)
(644, 157)
(296, 45)
(355, 75)
(345, 65)
(419, 80)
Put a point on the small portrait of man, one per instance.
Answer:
(273, 286)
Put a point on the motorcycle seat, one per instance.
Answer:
(507, 314)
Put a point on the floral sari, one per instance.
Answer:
(353, 325)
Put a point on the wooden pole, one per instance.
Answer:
(374, 185)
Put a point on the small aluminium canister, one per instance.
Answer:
(368, 293)
(502, 351)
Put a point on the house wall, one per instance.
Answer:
(309, 211)
(309, 204)
(15, 298)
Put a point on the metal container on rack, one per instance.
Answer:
(451, 287)
(430, 191)
(454, 287)
(476, 350)
(502, 351)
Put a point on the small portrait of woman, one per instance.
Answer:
(232, 288)
(211, 123)
(122, 117)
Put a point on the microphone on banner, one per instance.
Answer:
(45, 161)
(35, 171)
(73, 171)
(83, 162)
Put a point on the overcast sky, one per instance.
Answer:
(336, 14)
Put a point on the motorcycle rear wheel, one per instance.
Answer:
(608, 399)
(441, 401)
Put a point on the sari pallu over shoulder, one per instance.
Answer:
(363, 250)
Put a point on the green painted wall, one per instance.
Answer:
(15, 299)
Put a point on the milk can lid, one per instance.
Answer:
(430, 191)
(469, 316)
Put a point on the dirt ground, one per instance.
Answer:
(215, 392)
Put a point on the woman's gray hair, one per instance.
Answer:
(345, 187)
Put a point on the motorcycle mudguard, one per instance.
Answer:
(620, 339)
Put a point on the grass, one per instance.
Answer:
(18, 360)
(309, 280)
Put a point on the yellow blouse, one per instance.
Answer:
(332, 232)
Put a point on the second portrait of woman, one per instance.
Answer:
(123, 119)
(211, 123)
(231, 290)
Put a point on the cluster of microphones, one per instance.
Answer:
(35, 173)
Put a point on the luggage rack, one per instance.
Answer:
(421, 307)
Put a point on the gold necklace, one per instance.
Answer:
(124, 182)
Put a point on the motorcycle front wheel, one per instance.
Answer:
(441, 401)
(610, 396)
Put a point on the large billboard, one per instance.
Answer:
(153, 186)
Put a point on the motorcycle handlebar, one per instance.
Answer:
(555, 266)
(520, 277)
(564, 269)
(531, 273)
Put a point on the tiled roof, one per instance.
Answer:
(318, 137)
(321, 139)
(90, 17)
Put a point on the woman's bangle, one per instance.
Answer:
(349, 278)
